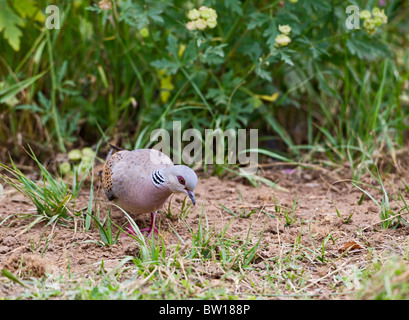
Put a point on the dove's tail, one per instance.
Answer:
(116, 148)
(112, 150)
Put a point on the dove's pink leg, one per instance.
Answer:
(152, 227)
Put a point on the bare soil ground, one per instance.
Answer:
(355, 232)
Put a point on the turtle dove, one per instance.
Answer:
(140, 181)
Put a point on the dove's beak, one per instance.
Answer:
(191, 196)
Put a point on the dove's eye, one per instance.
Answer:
(181, 180)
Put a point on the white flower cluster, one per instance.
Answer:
(202, 18)
(374, 20)
(283, 39)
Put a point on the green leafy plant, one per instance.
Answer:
(389, 218)
(12, 18)
(202, 246)
(287, 212)
(53, 198)
(106, 233)
(236, 72)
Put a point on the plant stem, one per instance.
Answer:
(53, 94)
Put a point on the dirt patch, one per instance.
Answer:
(312, 212)
(26, 265)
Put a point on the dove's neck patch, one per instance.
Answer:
(157, 178)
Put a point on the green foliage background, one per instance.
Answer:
(127, 71)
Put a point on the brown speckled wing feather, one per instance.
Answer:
(107, 174)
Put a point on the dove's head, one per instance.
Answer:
(181, 179)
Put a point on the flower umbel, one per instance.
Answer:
(201, 18)
(285, 29)
(364, 14)
(193, 14)
(374, 19)
(207, 13)
(200, 24)
(191, 25)
(212, 23)
(282, 40)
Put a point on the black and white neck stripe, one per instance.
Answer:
(157, 178)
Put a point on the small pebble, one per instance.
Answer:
(4, 249)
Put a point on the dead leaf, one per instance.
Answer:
(350, 245)
(266, 97)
